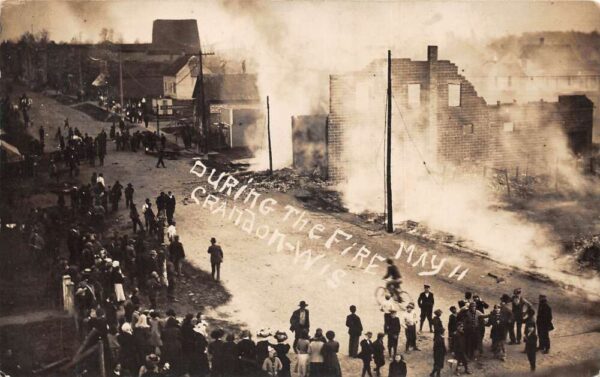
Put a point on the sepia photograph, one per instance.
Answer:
(299, 188)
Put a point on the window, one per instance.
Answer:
(453, 95)
(468, 129)
(414, 95)
(509, 127)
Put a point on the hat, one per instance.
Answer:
(126, 328)
(153, 252)
(543, 297)
(281, 336)
(438, 312)
(410, 305)
(213, 240)
(115, 264)
(245, 334)
(152, 359)
(303, 304)
(200, 328)
(427, 286)
(171, 313)
(517, 291)
(217, 334)
(264, 333)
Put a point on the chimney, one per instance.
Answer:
(432, 53)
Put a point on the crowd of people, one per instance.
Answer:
(513, 318)
(120, 280)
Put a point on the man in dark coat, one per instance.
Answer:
(398, 367)
(170, 207)
(216, 258)
(452, 325)
(460, 348)
(439, 354)
(438, 326)
(215, 349)
(425, 303)
(392, 330)
(230, 356)
(246, 353)
(160, 161)
(172, 349)
(129, 190)
(544, 324)
(366, 354)
(354, 330)
(519, 308)
(531, 340)
(176, 253)
(300, 321)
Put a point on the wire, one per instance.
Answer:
(412, 141)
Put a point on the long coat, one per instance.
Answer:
(439, 352)
(354, 324)
(331, 361)
(366, 350)
(379, 353)
(171, 349)
(544, 317)
(129, 353)
(295, 320)
(397, 369)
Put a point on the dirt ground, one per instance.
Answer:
(266, 285)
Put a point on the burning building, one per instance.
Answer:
(439, 113)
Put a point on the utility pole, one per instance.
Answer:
(157, 116)
(269, 136)
(388, 173)
(80, 72)
(121, 78)
(202, 100)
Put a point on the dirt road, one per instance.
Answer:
(267, 284)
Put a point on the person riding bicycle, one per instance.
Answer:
(394, 279)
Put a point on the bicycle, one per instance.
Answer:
(401, 298)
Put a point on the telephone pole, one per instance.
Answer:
(157, 116)
(269, 136)
(388, 173)
(121, 78)
(202, 100)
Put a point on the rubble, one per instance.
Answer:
(587, 251)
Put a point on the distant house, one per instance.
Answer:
(180, 77)
(140, 79)
(234, 102)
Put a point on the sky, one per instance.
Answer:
(132, 19)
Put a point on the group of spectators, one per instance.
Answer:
(513, 318)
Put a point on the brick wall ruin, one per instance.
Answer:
(436, 103)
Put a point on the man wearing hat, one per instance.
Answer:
(438, 326)
(544, 324)
(393, 333)
(425, 303)
(519, 308)
(216, 258)
(366, 354)
(300, 321)
(355, 329)
(410, 326)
